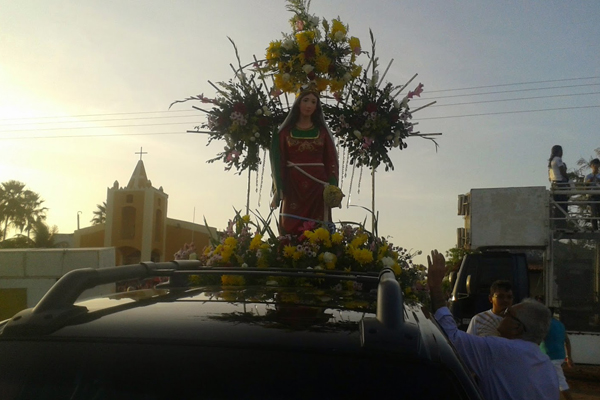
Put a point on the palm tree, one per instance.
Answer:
(99, 214)
(19, 208)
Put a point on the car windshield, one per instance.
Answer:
(84, 370)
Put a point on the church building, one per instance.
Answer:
(137, 225)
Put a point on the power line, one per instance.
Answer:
(505, 91)
(182, 133)
(93, 127)
(195, 115)
(92, 136)
(506, 112)
(514, 99)
(414, 99)
(512, 84)
(96, 115)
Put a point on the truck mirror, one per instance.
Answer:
(468, 284)
(452, 279)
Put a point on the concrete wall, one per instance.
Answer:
(36, 270)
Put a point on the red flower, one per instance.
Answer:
(394, 117)
(310, 52)
(311, 75)
(240, 107)
(371, 107)
(262, 122)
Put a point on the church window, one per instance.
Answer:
(158, 226)
(127, 223)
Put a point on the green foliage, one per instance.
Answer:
(20, 208)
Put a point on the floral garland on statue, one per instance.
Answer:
(245, 244)
(369, 120)
(324, 57)
(243, 115)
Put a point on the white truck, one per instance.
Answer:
(548, 252)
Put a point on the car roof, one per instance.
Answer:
(368, 318)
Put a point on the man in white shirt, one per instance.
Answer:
(486, 323)
(508, 367)
(593, 180)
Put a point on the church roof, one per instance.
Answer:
(138, 179)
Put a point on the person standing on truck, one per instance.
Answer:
(557, 173)
(508, 367)
(557, 346)
(486, 323)
(593, 180)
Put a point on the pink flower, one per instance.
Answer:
(338, 97)
(417, 92)
(299, 25)
(307, 226)
(276, 92)
(232, 156)
(367, 142)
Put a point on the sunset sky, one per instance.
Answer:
(84, 85)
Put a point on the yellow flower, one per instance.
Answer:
(304, 39)
(354, 43)
(337, 238)
(396, 268)
(231, 241)
(336, 85)
(359, 240)
(338, 30)
(288, 251)
(246, 218)
(323, 63)
(382, 252)
(322, 84)
(256, 242)
(233, 280)
(273, 51)
(356, 71)
(362, 256)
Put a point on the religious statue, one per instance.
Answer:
(305, 167)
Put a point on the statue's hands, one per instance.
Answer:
(275, 202)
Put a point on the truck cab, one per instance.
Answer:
(471, 289)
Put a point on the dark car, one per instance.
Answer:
(284, 334)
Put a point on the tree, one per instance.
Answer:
(99, 214)
(19, 208)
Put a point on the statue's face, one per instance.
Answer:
(308, 105)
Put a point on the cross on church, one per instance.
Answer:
(141, 152)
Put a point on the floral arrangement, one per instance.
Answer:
(244, 117)
(316, 51)
(243, 114)
(245, 244)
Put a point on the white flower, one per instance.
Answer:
(307, 68)
(358, 134)
(387, 261)
(314, 20)
(257, 135)
(328, 257)
(252, 139)
(259, 112)
(339, 36)
(244, 265)
(286, 77)
(389, 137)
(396, 104)
(347, 76)
(287, 44)
(266, 111)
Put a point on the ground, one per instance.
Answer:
(584, 381)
